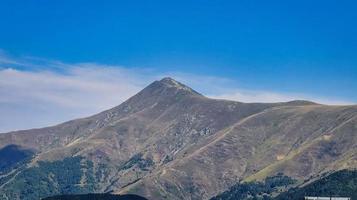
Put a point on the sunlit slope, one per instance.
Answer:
(169, 141)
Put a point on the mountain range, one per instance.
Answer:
(170, 142)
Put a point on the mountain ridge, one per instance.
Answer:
(169, 141)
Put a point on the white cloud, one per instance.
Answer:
(53, 92)
(42, 97)
(224, 88)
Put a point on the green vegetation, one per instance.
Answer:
(96, 197)
(167, 159)
(138, 160)
(51, 178)
(68, 176)
(12, 156)
(341, 183)
(256, 190)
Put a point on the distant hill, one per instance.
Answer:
(170, 142)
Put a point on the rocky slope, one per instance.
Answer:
(170, 142)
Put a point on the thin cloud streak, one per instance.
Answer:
(37, 92)
(273, 97)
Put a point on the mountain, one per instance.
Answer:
(170, 142)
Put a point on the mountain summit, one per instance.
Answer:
(168, 87)
(170, 142)
(169, 82)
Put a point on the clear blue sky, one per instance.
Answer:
(299, 46)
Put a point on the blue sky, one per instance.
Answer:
(241, 50)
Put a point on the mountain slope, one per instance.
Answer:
(301, 142)
(169, 141)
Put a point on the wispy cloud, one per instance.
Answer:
(271, 97)
(54, 92)
(225, 88)
(36, 92)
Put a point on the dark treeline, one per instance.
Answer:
(339, 184)
(96, 197)
(256, 190)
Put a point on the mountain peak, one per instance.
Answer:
(168, 82)
(166, 89)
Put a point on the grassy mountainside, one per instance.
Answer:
(299, 141)
(170, 142)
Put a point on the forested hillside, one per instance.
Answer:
(342, 183)
(96, 197)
